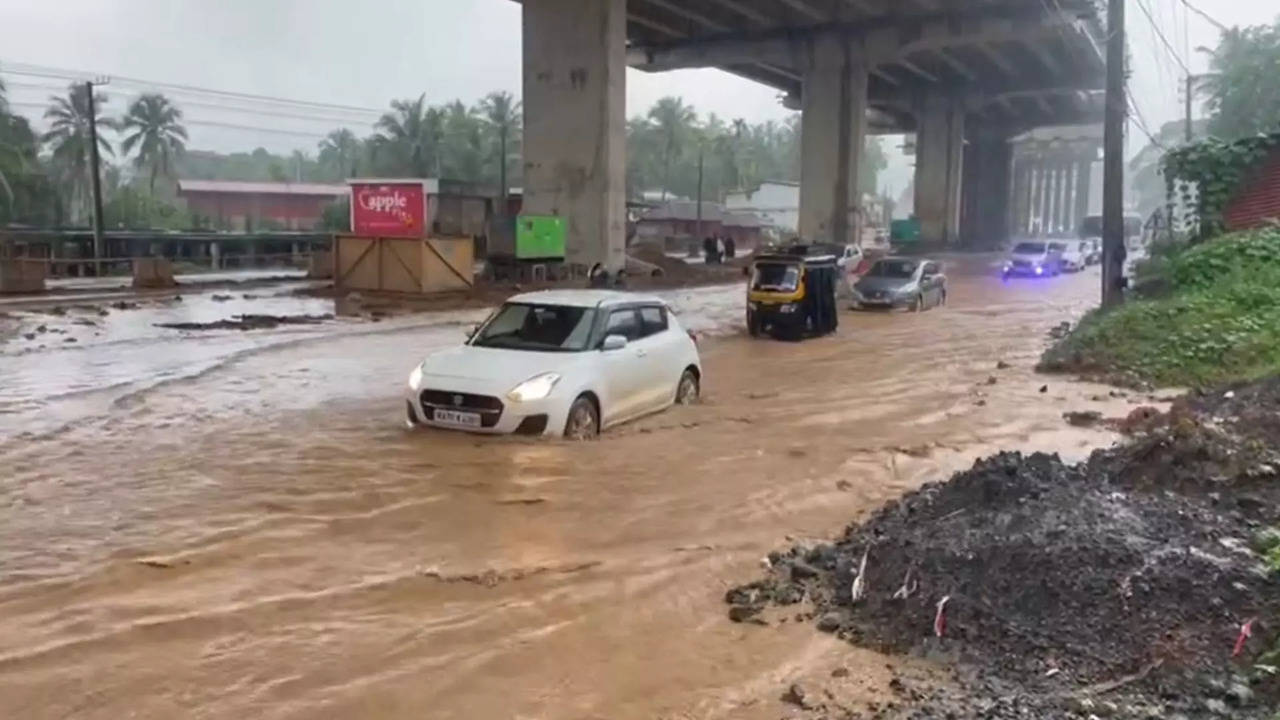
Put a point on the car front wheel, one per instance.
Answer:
(583, 422)
(688, 389)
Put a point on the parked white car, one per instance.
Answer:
(1075, 255)
(559, 362)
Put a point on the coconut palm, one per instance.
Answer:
(68, 136)
(412, 132)
(673, 119)
(340, 150)
(153, 125)
(502, 113)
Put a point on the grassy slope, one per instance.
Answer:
(1218, 320)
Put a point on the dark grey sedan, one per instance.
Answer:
(895, 282)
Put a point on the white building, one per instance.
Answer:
(775, 202)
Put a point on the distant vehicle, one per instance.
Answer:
(792, 294)
(1034, 259)
(1091, 229)
(559, 362)
(848, 255)
(1075, 255)
(895, 282)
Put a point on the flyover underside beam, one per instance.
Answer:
(887, 42)
(574, 81)
(833, 129)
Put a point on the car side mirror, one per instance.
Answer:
(613, 342)
(472, 330)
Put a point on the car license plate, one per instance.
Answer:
(453, 417)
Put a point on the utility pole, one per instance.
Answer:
(1191, 88)
(1191, 82)
(95, 179)
(502, 167)
(698, 224)
(1113, 247)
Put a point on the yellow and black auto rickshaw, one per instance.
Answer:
(792, 294)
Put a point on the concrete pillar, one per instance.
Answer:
(1084, 173)
(1064, 199)
(832, 132)
(1055, 191)
(939, 160)
(215, 255)
(575, 123)
(985, 191)
(1018, 205)
(1035, 217)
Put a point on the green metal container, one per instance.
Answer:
(904, 231)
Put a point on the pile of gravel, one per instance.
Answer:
(1127, 577)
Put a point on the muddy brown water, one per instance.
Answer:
(266, 540)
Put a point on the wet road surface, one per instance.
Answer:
(258, 536)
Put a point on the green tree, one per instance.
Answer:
(153, 126)
(502, 116)
(409, 138)
(462, 153)
(340, 154)
(1243, 87)
(68, 139)
(673, 121)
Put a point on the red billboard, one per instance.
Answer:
(389, 209)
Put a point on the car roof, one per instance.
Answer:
(899, 258)
(584, 298)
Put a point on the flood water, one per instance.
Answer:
(236, 524)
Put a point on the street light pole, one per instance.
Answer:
(95, 178)
(698, 224)
(1113, 248)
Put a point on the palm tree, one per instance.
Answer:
(502, 113)
(413, 131)
(673, 119)
(68, 135)
(463, 151)
(153, 126)
(340, 149)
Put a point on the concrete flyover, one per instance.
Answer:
(965, 76)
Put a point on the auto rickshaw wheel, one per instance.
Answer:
(753, 327)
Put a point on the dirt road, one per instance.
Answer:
(263, 539)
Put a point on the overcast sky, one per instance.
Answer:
(361, 55)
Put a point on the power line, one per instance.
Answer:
(72, 75)
(1205, 15)
(1142, 5)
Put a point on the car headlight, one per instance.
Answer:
(415, 378)
(535, 388)
(906, 290)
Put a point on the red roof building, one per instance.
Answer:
(1258, 200)
(252, 206)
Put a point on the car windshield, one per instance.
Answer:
(900, 269)
(775, 276)
(523, 326)
(1029, 248)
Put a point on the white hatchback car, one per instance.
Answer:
(559, 362)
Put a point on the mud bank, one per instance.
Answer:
(248, 322)
(1115, 587)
